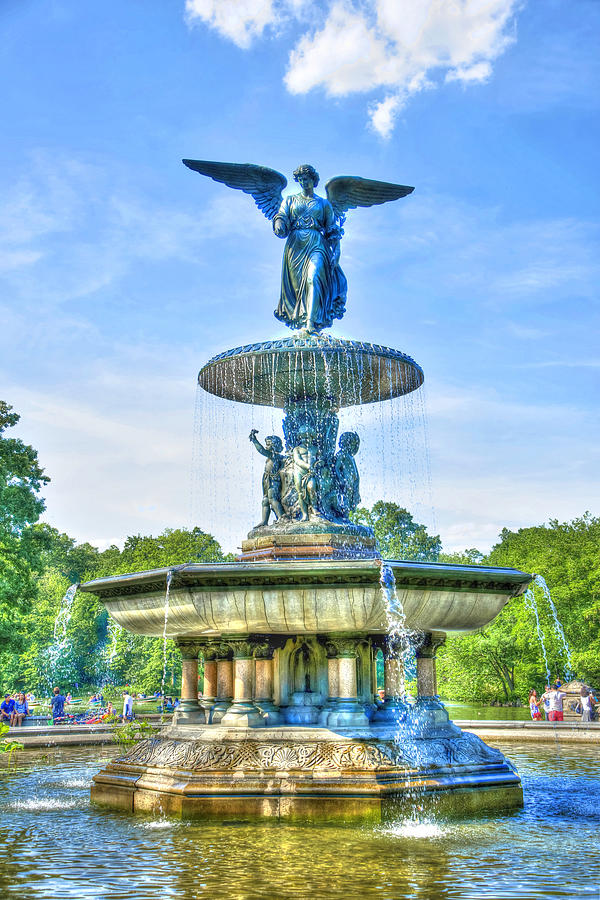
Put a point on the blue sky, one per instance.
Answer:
(122, 272)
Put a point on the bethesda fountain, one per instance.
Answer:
(290, 723)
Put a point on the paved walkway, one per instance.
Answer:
(488, 730)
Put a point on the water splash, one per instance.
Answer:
(398, 643)
(114, 631)
(532, 604)
(170, 575)
(541, 583)
(57, 651)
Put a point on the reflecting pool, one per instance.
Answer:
(56, 845)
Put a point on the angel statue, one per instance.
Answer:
(313, 286)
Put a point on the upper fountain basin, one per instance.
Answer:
(305, 597)
(321, 367)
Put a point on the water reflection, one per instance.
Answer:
(57, 845)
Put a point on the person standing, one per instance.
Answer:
(555, 698)
(534, 706)
(58, 705)
(586, 705)
(127, 705)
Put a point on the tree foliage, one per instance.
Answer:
(505, 660)
(397, 533)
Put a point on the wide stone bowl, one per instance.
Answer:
(327, 369)
(305, 597)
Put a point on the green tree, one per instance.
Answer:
(397, 533)
(504, 660)
(21, 479)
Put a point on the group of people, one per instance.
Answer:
(551, 703)
(14, 709)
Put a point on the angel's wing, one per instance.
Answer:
(349, 191)
(264, 184)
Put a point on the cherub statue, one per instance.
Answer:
(346, 471)
(271, 480)
(313, 286)
(304, 458)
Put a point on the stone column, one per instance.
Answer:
(209, 686)
(348, 712)
(263, 683)
(243, 711)
(189, 711)
(224, 683)
(393, 710)
(426, 674)
(333, 683)
(428, 716)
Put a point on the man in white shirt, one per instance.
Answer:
(127, 705)
(555, 697)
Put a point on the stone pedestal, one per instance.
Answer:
(307, 774)
(189, 711)
(242, 712)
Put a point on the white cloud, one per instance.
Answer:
(398, 46)
(238, 20)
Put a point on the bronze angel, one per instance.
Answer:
(313, 286)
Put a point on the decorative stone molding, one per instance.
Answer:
(283, 756)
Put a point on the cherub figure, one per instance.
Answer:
(271, 480)
(346, 471)
(304, 458)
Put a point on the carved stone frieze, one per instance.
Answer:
(280, 756)
(465, 750)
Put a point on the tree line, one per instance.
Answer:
(38, 563)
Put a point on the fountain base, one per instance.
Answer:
(308, 774)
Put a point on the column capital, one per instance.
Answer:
(222, 650)
(189, 648)
(430, 644)
(263, 650)
(242, 648)
(343, 647)
(209, 651)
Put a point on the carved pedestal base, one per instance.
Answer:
(307, 541)
(306, 774)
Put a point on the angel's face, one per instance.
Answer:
(305, 181)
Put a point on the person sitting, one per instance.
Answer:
(7, 708)
(68, 698)
(21, 710)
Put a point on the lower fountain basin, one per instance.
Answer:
(305, 597)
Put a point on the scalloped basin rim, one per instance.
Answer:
(294, 569)
(305, 597)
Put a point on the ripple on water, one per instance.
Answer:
(42, 804)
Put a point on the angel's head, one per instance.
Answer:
(304, 172)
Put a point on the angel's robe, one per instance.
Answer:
(310, 263)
